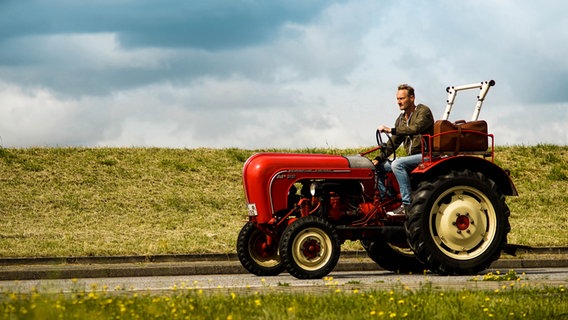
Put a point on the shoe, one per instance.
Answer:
(400, 211)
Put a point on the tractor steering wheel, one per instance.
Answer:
(383, 146)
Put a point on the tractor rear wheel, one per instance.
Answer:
(458, 223)
(310, 248)
(393, 258)
(255, 254)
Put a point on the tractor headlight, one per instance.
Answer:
(316, 189)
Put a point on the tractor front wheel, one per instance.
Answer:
(458, 223)
(255, 254)
(310, 248)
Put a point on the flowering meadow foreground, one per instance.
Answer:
(512, 300)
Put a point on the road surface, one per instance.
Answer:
(347, 280)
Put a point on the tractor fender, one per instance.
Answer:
(442, 165)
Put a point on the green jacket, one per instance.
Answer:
(410, 134)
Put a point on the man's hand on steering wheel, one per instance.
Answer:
(383, 146)
(385, 129)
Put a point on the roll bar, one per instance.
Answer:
(453, 91)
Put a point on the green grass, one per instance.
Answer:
(150, 201)
(538, 214)
(511, 301)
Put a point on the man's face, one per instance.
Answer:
(403, 100)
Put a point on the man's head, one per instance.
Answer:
(405, 97)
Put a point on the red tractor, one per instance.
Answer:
(302, 207)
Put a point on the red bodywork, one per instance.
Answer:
(269, 176)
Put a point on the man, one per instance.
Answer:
(413, 122)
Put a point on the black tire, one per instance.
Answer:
(393, 258)
(255, 255)
(310, 248)
(458, 223)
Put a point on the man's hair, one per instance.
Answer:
(408, 89)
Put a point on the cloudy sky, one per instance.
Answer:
(262, 74)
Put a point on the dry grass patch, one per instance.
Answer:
(149, 201)
(119, 201)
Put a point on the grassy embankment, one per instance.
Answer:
(149, 201)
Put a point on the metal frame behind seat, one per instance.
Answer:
(453, 91)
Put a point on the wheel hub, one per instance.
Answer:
(460, 224)
(311, 249)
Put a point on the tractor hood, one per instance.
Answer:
(267, 177)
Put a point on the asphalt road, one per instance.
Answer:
(248, 283)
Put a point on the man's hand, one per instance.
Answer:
(383, 128)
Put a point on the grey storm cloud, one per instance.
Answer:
(181, 40)
(208, 25)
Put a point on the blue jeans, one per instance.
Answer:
(401, 167)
